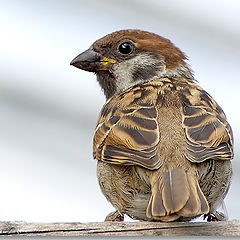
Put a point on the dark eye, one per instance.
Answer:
(126, 47)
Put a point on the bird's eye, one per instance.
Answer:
(126, 48)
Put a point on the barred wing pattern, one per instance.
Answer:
(209, 136)
(127, 131)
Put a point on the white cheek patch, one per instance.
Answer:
(143, 67)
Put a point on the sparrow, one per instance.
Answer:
(163, 145)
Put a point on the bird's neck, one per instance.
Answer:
(182, 71)
(113, 85)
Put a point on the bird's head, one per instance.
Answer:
(129, 57)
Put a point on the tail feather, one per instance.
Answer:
(204, 204)
(176, 194)
(158, 208)
(174, 188)
(193, 204)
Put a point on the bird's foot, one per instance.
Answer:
(115, 216)
(214, 217)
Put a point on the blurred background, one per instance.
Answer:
(48, 110)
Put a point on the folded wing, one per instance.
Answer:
(128, 133)
(209, 136)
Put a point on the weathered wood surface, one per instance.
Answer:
(228, 228)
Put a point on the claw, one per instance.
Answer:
(214, 217)
(115, 216)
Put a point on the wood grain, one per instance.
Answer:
(224, 228)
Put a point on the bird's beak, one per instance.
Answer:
(92, 61)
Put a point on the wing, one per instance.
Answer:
(209, 136)
(127, 131)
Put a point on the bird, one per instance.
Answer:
(163, 145)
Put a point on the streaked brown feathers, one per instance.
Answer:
(128, 124)
(129, 132)
(162, 143)
(209, 136)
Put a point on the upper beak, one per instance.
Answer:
(91, 61)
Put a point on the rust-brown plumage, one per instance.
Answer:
(162, 143)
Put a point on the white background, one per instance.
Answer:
(48, 110)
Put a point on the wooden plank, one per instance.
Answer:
(224, 228)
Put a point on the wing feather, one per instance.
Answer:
(209, 136)
(128, 135)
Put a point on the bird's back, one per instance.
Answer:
(145, 127)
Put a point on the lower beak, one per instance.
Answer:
(91, 61)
